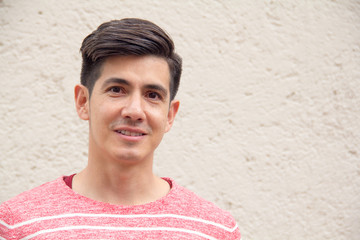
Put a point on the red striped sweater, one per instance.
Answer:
(54, 211)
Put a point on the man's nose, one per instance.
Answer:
(134, 108)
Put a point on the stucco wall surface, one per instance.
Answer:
(269, 123)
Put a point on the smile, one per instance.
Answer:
(128, 133)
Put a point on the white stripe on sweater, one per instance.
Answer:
(118, 216)
(119, 229)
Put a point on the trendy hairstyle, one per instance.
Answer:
(129, 36)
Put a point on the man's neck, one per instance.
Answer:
(120, 185)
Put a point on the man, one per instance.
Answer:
(129, 78)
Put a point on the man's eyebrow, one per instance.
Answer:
(115, 80)
(157, 87)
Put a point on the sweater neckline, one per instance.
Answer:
(157, 203)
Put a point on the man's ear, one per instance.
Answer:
(82, 101)
(174, 108)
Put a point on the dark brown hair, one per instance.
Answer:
(129, 36)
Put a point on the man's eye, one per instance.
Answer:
(153, 95)
(115, 89)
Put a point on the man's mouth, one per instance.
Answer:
(129, 133)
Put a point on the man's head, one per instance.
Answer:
(128, 37)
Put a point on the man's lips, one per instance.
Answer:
(130, 133)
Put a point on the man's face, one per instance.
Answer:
(129, 109)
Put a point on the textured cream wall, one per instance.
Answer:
(269, 124)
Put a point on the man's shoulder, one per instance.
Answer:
(204, 214)
(184, 194)
(31, 200)
(35, 194)
(196, 205)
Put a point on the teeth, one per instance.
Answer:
(128, 133)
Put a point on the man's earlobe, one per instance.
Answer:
(174, 108)
(82, 101)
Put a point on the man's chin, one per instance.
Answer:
(129, 157)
